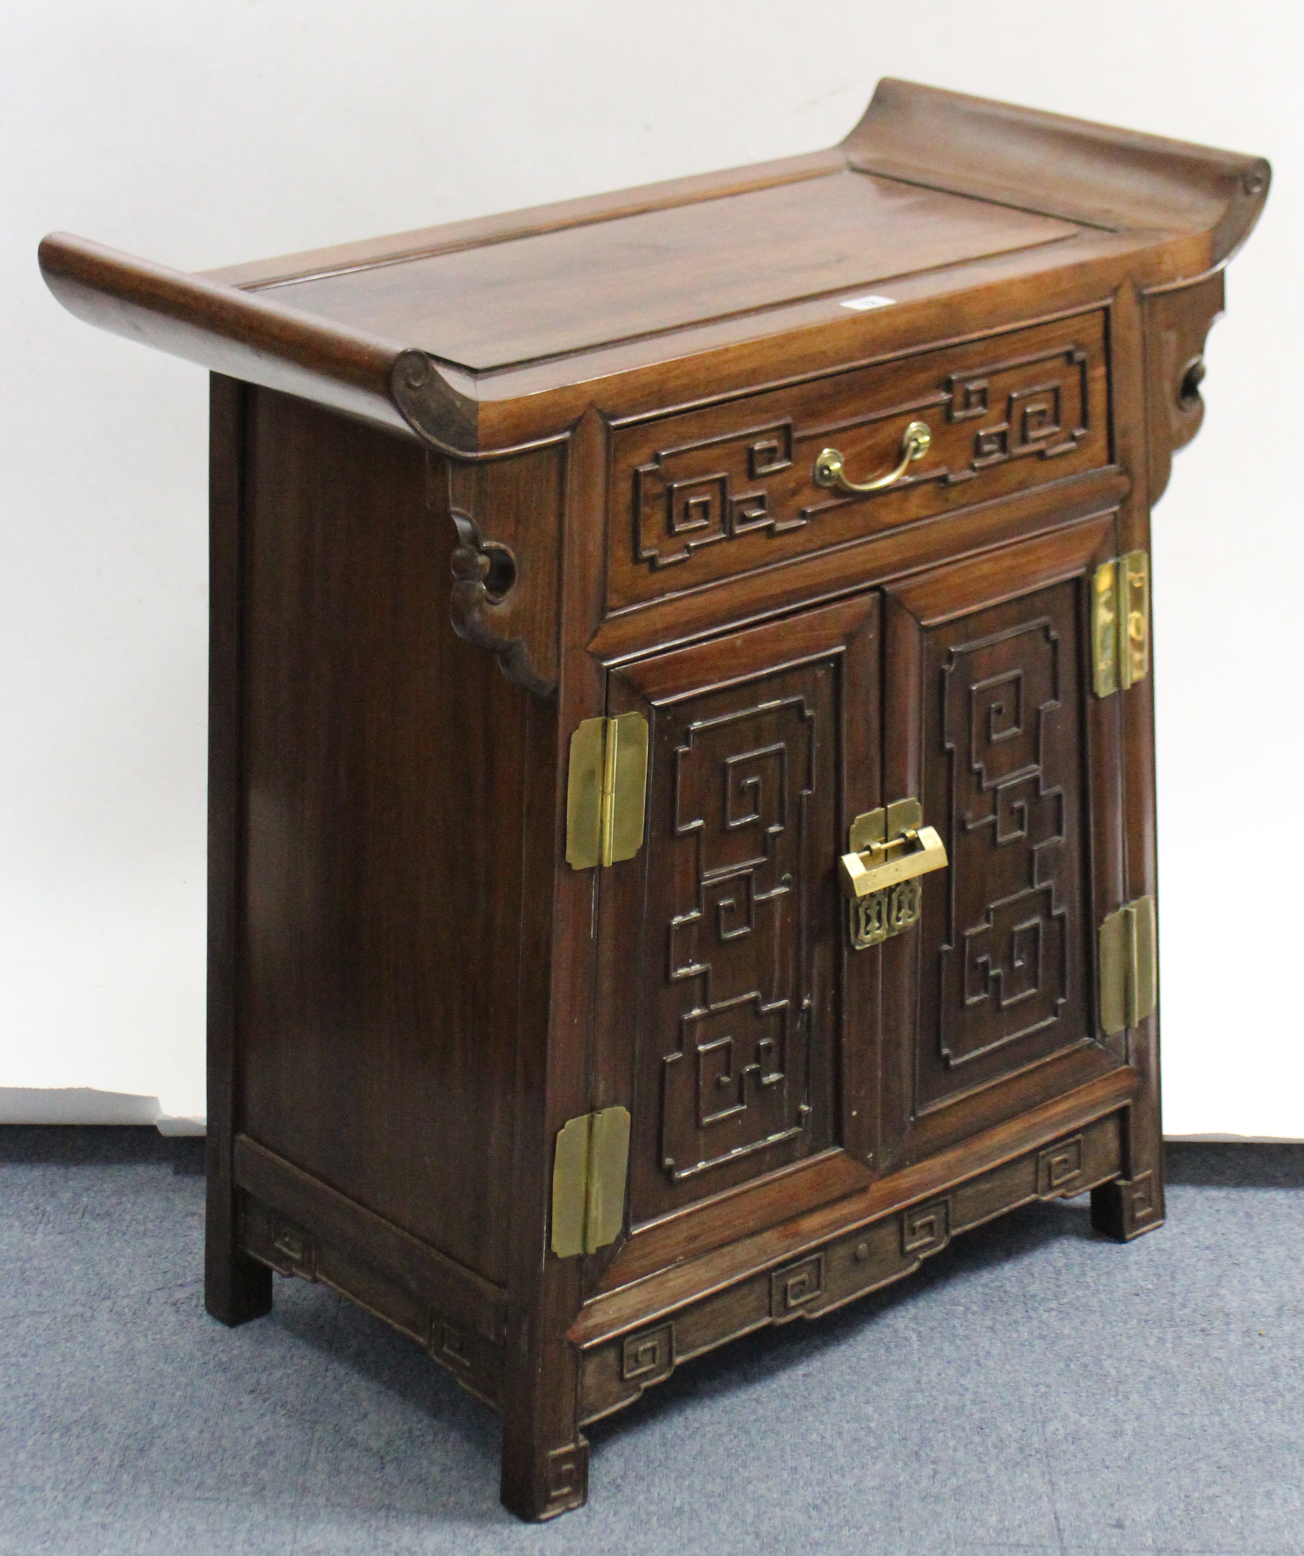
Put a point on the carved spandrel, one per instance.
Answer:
(737, 1079)
(505, 566)
(1176, 325)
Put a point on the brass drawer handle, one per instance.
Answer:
(915, 443)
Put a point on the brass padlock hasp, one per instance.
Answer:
(889, 846)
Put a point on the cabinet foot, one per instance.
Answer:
(540, 1484)
(1127, 1207)
(236, 1288)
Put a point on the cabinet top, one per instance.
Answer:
(936, 213)
(808, 228)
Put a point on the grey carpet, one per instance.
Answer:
(1033, 1389)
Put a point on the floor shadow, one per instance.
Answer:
(348, 1336)
(99, 1145)
(1234, 1164)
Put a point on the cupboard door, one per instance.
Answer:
(720, 1009)
(990, 719)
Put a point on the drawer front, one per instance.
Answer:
(708, 494)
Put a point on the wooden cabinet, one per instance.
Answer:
(682, 811)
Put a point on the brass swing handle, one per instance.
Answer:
(881, 866)
(915, 443)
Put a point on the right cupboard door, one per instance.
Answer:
(990, 1003)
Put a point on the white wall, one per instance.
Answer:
(209, 132)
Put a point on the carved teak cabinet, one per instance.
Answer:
(748, 884)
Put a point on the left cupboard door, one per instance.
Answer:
(731, 1021)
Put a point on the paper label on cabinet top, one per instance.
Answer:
(869, 300)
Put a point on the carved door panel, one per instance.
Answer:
(990, 720)
(721, 1012)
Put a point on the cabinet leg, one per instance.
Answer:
(545, 1469)
(539, 1482)
(1134, 1204)
(1127, 1207)
(236, 1287)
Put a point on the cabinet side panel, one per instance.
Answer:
(384, 794)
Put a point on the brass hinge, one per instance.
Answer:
(1120, 622)
(1129, 966)
(606, 791)
(588, 1182)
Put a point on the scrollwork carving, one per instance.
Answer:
(504, 595)
(484, 574)
(1176, 324)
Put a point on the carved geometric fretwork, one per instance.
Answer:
(797, 1288)
(738, 1076)
(696, 494)
(679, 506)
(856, 1261)
(648, 1356)
(1004, 971)
(1007, 933)
(566, 1477)
(1059, 1168)
(451, 1344)
(1128, 1206)
(1046, 417)
(926, 1228)
(295, 1250)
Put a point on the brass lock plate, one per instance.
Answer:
(890, 850)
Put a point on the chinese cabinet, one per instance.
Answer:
(682, 827)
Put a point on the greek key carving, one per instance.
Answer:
(648, 1357)
(926, 1228)
(1004, 973)
(737, 1079)
(679, 506)
(796, 1288)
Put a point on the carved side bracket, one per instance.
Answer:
(1177, 322)
(505, 588)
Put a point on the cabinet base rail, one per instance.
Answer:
(297, 1225)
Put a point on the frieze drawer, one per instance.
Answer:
(721, 490)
